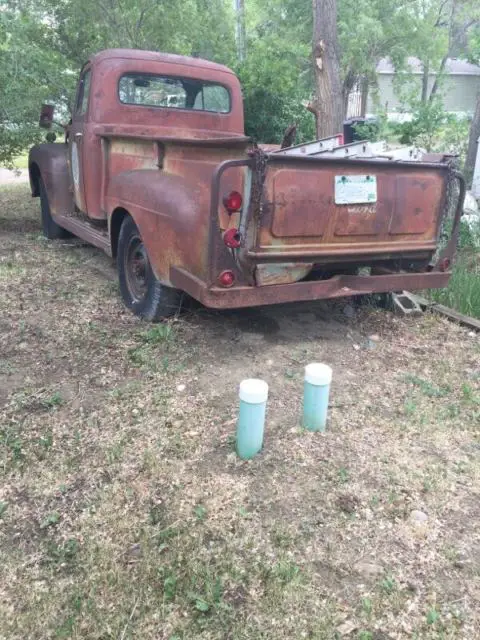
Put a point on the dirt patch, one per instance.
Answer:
(124, 511)
(13, 177)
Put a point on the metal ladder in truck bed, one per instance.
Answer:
(332, 147)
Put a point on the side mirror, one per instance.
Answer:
(46, 116)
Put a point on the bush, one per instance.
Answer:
(434, 129)
(377, 128)
(274, 89)
(427, 120)
(268, 114)
(452, 136)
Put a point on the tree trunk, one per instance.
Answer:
(473, 144)
(364, 96)
(328, 105)
(438, 77)
(426, 69)
(240, 29)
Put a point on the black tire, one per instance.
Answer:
(51, 229)
(142, 293)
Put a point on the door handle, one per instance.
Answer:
(79, 135)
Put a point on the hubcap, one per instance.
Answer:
(136, 268)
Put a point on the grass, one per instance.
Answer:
(463, 291)
(21, 162)
(125, 513)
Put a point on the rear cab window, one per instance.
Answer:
(151, 90)
(83, 93)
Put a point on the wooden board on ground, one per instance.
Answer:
(467, 321)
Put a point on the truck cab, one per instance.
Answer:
(156, 170)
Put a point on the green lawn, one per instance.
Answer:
(21, 162)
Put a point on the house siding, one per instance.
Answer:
(458, 92)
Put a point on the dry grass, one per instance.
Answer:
(124, 512)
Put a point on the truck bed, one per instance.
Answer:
(330, 223)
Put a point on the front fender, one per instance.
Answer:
(50, 162)
(171, 214)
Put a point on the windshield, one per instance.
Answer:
(175, 93)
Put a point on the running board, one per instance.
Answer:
(86, 231)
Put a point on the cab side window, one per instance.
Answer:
(83, 93)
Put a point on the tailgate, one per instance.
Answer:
(333, 209)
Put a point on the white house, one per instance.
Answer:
(459, 88)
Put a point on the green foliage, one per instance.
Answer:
(274, 91)
(170, 587)
(30, 73)
(43, 43)
(474, 45)
(367, 606)
(200, 512)
(432, 616)
(452, 137)
(469, 237)
(426, 387)
(50, 520)
(378, 128)
(463, 291)
(388, 585)
(427, 119)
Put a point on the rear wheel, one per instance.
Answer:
(141, 291)
(51, 229)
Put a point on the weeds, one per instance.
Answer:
(388, 585)
(200, 512)
(427, 388)
(158, 334)
(432, 616)
(286, 572)
(50, 520)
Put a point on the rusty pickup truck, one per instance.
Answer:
(156, 170)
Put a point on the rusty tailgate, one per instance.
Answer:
(301, 217)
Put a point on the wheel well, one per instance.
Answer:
(34, 173)
(116, 220)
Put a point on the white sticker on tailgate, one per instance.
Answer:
(355, 189)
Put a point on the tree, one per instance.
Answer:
(240, 29)
(472, 148)
(43, 43)
(327, 104)
(29, 75)
(474, 135)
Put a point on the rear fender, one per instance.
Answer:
(171, 214)
(50, 162)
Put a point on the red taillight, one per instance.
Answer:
(232, 238)
(340, 139)
(444, 264)
(226, 278)
(233, 202)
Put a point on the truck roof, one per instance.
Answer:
(156, 56)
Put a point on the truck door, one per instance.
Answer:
(76, 139)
